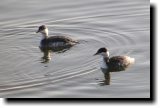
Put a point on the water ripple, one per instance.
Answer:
(121, 26)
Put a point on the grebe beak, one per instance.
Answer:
(96, 54)
(37, 31)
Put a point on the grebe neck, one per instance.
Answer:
(45, 34)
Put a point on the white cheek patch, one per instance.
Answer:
(42, 31)
(45, 31)
(108, 53)
(103, 54)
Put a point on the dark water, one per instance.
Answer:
(120, 25)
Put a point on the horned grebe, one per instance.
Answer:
(54, 42)
(113, 64)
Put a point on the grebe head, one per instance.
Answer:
(43, 30)
(103, 52)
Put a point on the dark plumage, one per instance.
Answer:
(118, 63)
(54, 42)
(115, 63)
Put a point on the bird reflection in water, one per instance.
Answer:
(112, 64)
(107, 75)
(47, 53)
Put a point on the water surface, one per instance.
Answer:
(120, 25)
